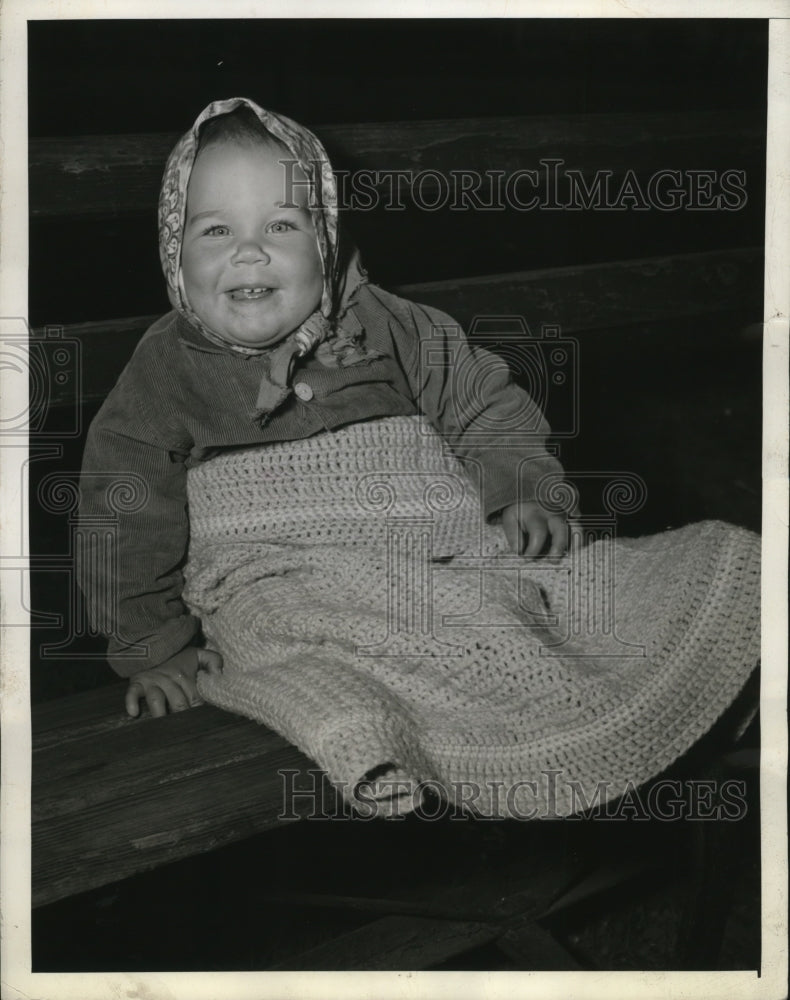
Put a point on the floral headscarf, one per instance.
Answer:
(341, 278)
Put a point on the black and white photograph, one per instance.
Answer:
(394, 470)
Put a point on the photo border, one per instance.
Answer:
(19, 981)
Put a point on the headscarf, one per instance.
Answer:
(332, 325)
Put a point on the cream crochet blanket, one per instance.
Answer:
(365, 612)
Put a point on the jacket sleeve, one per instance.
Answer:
(134, 535)
(488, 420)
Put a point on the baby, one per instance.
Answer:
(276, 335)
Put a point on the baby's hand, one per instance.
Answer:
(172, 684)
(529, 520)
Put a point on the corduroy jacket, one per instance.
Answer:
(181, 399)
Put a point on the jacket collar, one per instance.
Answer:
(192, 338)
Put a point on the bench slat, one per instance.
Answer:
(488, 903)
(73, 777)
(585, 297)
(394, 944)
(113, 841)
(75, 715)
(99, 175)
(112, 796)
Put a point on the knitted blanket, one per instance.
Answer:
(365, 612)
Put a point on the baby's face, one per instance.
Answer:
(251, 268)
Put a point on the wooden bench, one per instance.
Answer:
(112, 796)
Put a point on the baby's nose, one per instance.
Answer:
(250, 252)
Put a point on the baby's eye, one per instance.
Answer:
(280, 226)
(216, 231)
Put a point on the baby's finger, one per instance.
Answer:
(155, 697)
(134, 693)
(537, 538)
(175, 694)
(558, 527)
(189, 689)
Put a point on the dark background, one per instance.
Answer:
(116, 77)
(680, 404)
(89, 77)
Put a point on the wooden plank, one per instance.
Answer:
(585, 297)
(99, 175)
(519, 891)
(533, 948)
(144, 753)
(394, 944)
(111, 841)
(600, 881)
(113, 796)
(78, 715)
(436, 923)
(598, 296)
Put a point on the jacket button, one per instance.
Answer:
(303, 391)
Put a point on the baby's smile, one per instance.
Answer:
(246, 294)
